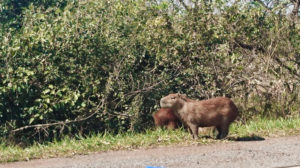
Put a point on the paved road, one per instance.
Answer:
(269, 153)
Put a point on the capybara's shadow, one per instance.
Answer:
(247, 138)
(244, 138)
(206, 137)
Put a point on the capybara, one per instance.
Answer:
(164, 117)
(219, 112)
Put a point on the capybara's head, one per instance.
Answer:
(171, 99)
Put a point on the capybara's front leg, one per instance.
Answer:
(172, 125)
(194, 129)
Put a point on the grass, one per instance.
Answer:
(253, 130)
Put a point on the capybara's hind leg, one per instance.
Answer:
(223, 131)
(219, 132)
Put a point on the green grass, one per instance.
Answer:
(253, 130)
(267, 127)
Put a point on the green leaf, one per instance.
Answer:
(51, 86)
(46, 91)
(31, 120)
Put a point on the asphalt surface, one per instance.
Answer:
(268, 153)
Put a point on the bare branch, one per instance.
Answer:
(292, 71)
(248, 46)
(184, 5)
(145, 89)
(263, 4)
(295, 10)
(63, 123)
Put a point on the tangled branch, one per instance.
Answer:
(63, 123)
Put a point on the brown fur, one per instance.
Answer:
(219, 112)
(164, 117)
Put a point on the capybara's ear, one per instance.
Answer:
(183, 96)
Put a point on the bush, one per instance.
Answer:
(95, 65)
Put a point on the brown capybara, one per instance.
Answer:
(219, 112)
(164, 117)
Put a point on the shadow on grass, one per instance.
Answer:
(247, 138)
(244, 138)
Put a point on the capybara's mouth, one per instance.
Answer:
(162, 105)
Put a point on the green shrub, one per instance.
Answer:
(95, 65)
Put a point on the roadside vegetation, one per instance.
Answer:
(91, 72)
(254, 130)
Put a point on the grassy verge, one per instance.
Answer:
(254, 129)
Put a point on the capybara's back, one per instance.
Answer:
(214, 111)
(164, 117)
